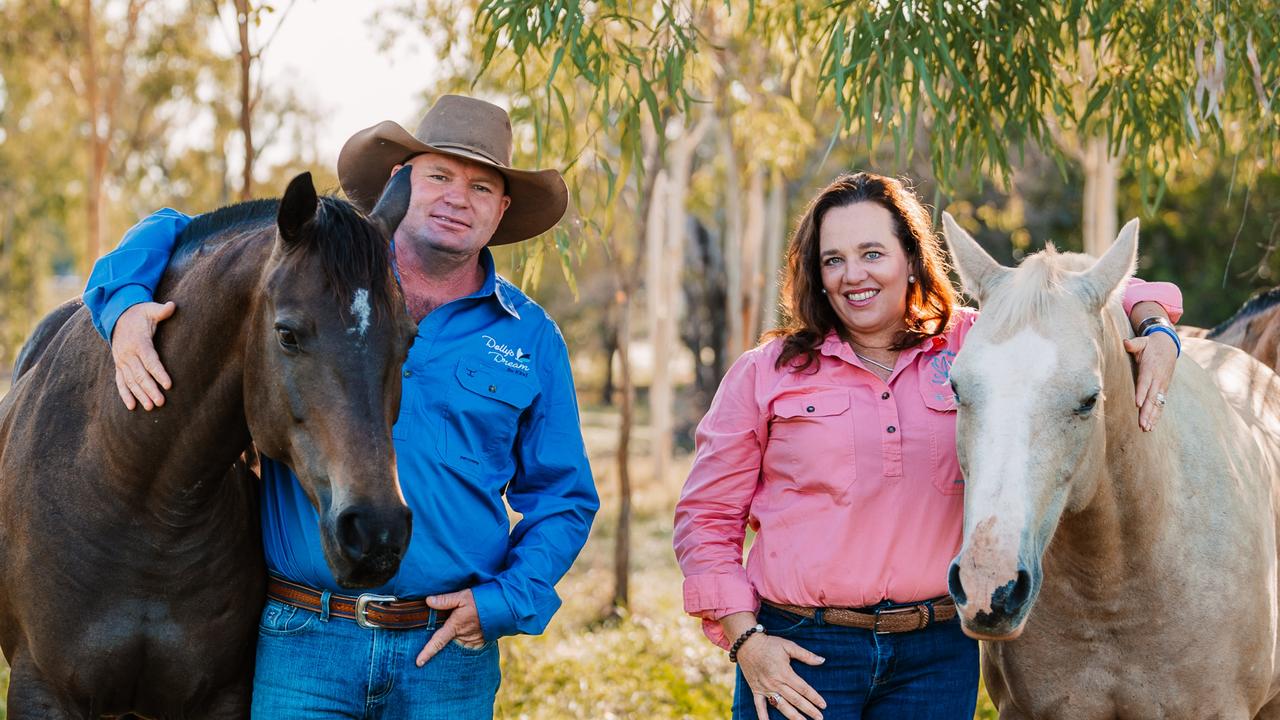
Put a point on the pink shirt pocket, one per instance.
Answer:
(940, 408)
(811, 440)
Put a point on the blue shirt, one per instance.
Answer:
(488, 409)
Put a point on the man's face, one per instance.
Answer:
(456, 204)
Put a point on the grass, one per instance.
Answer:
(652, 662)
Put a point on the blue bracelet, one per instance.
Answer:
(1167, 331)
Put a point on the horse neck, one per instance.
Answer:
(177, 455)
(1110, 538)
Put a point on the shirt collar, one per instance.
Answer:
(493, 285)
(833, 346)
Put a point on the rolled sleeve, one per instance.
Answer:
(555, 494)
(130, 274)
(711, 515)
(1165, 293)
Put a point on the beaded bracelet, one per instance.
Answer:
(733, 651)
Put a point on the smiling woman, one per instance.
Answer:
(835, 441)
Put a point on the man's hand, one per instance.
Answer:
(139, 374)
(463, 624)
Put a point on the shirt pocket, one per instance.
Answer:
(811, 441)
(940, 401)
(481, 418)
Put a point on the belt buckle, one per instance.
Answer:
(362, 609)
(875, 627)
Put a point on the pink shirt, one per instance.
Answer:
(850, 483)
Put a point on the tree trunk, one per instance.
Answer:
(246, 107)
(660, 310)
(1101, 170)
(752, 248)
(775, 230)
(732, 238)
(627, 280)
(97, 141)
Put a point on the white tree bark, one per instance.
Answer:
(775, 231)
(752, 250)
(1101, 172)
(666, 258)
(732, 239)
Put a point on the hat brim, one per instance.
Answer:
(539, 198)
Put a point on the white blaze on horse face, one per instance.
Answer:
(998, 500)
(360, 309)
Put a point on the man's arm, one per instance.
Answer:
(118, 295)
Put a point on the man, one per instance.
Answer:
(488, 409)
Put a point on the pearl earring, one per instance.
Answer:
(824, 291)
(911, 279)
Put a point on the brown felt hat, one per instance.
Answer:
(466, 128)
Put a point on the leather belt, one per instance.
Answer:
(367, 610)
(883, 621)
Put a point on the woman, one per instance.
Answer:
(835, 443)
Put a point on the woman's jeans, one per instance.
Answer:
(309, 666)
(929, 674)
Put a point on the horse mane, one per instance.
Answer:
(1261, 301)
(350, 247)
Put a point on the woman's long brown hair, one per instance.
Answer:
(808, 315)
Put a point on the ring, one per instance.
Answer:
(1160, 400)
(773, 698)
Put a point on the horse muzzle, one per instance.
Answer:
(990, 609)
(364, 544)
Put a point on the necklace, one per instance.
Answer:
(865, 359)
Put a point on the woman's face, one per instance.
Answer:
(864, 270)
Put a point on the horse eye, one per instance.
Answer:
(1086, 407)
(287, 339)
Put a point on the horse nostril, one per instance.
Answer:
(1011, 597)
(353, 534)
(953, 584)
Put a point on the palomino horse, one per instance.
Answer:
(131, 574)
(1255, 328)
(1116, 573)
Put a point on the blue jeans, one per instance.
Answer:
(929, 674)
(311, 666)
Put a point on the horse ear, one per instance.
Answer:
(297, 208)
(394, 203)
(978, 271)
(1113, 268)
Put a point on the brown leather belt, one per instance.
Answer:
(368, 610)
(884, 621)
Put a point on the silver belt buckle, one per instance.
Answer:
(899, 611)
(362, 609)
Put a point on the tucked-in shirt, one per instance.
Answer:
(850, 482)
(487, 409)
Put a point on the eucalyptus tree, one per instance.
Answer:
(1108, 83)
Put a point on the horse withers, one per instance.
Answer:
(131, 571)
(1114, 573)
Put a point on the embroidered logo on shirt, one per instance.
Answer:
(501, 353)
(941, 367)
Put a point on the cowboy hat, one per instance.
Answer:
(465, 128)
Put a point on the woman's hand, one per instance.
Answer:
(766, 664)
(1156, 355)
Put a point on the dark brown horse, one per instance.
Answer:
(131, 573)
(1255, 328)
